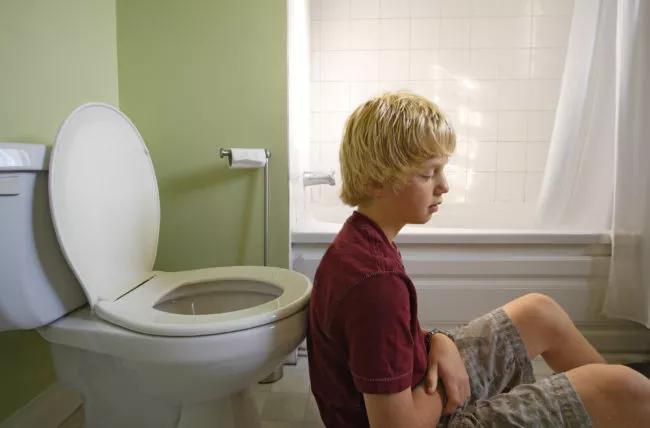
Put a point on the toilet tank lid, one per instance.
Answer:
(23, 157)
(104, 201)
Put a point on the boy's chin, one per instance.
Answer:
(422, 220)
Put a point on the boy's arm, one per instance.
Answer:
(445, 362)
(410, 408)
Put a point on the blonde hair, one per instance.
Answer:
(386, 138)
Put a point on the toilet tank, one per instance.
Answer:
(36, 284)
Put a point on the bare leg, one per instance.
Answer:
(614, 396)
(547, 330)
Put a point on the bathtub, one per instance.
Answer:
(461, 272)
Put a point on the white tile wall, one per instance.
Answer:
(494, 66)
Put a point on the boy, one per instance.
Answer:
(370, 364)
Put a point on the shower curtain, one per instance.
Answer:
(596, 176)
(628, 295)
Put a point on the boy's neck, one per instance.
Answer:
(390, 227)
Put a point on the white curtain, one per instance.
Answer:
(578, 181)
(628, 295)
(596, 176)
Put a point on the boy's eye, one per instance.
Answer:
(427, 177)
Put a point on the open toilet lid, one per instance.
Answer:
(104, 201)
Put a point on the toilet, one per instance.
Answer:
(144, 348)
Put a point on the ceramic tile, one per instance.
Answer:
(364, 9)
(482, 8)
(482, 156)
(361, 92)
(510, 186)
(553, 7)
(394, 65)
(514, 95)
(484, 63)
(335, 35)
(550, 31)
(544, 94)
(75, 420)
(536, 154)
(335, 9)
(424, 33)
(293, 381)
(362, 66)
(533, 186)
(540, 125)
(511, 156)
(284, 406)
(455, 63)
(315, 9)
(335, 96)
(424, 65)
(312, 413)
(455, 8)
(484, 125)
(315, 35)
(394, 9)
(425, 8)
(454, 34)
(394, 34)
(364, 34)
(315, 66)
(315, 96)
(514, 64)
(334, 66)
(481, 187)
(512, 126)
(547, 63)
(333, 125)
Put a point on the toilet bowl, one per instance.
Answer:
(150, 348)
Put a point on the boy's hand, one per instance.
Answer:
(446, 362)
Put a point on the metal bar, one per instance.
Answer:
(266, 210)
(228, 154)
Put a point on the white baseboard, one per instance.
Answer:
(48, 410)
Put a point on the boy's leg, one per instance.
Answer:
(614, 396)
(546, 329)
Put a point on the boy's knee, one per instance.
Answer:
(541, 302)
(621, 382)
(542, 307)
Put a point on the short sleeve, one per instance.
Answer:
(376, 319)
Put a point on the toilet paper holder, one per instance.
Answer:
(227, 153)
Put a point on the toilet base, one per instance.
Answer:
(236, 411)
(118, 393)
(275, 375)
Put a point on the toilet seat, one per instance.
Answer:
(106, 215)
(136, 310)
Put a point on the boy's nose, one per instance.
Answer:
(441, 188)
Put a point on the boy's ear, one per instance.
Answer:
(375, 190)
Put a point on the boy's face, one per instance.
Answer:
(416, 202)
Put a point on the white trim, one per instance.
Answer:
(48, 410)
(458, 282)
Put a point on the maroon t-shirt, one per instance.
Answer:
(363, 333)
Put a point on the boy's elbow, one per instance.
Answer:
(405, 409)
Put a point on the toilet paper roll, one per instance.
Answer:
(247, 158)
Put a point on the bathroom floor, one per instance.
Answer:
(288, 403)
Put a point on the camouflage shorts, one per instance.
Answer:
(504, 391)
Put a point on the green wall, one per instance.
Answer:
(195, 76)
(54, 56)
